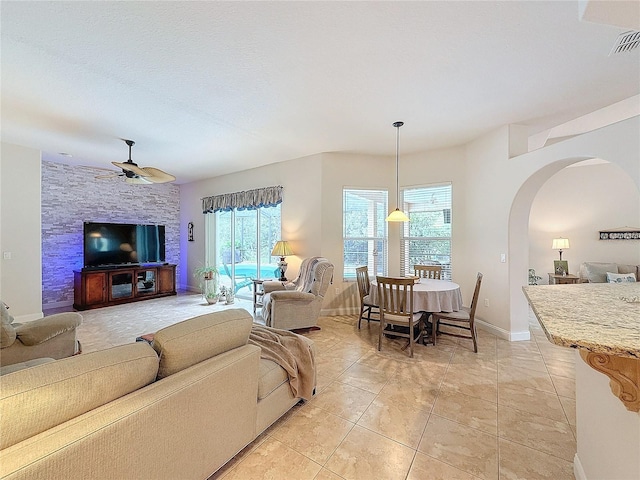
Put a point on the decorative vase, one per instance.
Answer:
(212, 300)
(230, 298)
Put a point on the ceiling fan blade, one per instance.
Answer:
(155, 175)
(111, 175)
(131, 168)
(137, 180)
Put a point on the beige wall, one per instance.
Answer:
(20, 276)
(301, 210)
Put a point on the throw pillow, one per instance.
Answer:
(4, 313)
(597, 272)
(621, 277)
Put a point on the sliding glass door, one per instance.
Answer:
(240, 244)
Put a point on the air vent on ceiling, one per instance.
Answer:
(626, 42)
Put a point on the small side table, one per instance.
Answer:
(568, 279)
(258, 294)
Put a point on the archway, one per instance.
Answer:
(618, 143)
(519, 242)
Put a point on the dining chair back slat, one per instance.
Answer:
(428, 271)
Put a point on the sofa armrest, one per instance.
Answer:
(293, 296)
(273, 286)
(39, 331)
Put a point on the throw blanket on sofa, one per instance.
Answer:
(291, 352)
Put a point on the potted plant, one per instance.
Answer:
(229, 296)
(209, 281)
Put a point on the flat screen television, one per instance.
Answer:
(111, 244)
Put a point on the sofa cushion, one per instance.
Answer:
(270, 376)
(39, 398)
(186, 343)
(597, 272)
(621, 277)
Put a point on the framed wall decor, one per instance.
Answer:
(624, 233)
(190, 231)
(560, 267)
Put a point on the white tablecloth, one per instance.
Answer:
(430, 295)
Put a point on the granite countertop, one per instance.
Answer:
(592, 316)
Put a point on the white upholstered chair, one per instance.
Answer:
(49, 337)
(297, 304)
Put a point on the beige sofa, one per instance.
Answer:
(596, 272)
(178, 409)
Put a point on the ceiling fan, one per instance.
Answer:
(136, 174)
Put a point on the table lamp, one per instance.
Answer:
(282, 249)
(560, 244)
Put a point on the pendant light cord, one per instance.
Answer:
(397, 125)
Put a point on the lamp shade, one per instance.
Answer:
(281, 249)
(397, 216)
(560, 244)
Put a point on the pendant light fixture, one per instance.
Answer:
(397, 215)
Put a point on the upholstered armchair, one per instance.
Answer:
(297, 304)
(49, 337)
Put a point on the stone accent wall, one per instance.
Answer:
(71, 195)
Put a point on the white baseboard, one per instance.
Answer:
(66, 303)
(497, 331)
(578, 471)
(502, 333)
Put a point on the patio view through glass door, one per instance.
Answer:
(242, 247)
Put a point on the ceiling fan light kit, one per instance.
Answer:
(139, 175)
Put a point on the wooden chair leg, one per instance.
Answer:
(475, 341)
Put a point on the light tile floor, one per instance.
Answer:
(507, 412)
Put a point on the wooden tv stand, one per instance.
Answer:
(94, 288)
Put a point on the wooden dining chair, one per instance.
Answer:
(463, 319)
(364, 288)
(395, 298)
(428, 271)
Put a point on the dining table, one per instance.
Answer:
(430, 295)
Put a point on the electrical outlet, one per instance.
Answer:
(503, 258)
(7, 255)
(486, 302)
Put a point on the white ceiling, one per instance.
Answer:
(208, 88)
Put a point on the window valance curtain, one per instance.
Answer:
(247, 200)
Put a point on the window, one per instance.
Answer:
(364, 231)
(426, 239)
